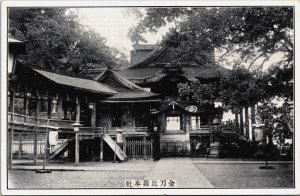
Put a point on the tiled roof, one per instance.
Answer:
(135, 92)
(77, 83)
(141, 73)
(154, 54)
(133, 95)
(153, 74)
(120, 79)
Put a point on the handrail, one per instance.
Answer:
(129, 129)
(35, 118)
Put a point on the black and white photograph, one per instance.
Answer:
(183, 98)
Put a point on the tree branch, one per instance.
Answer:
(262, 54)
(227, 51)
(289, 42)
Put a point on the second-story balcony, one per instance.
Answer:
(210, 129)
(29, 123)
(129, 131)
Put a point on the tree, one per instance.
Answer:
(252, 35)
(55, 40)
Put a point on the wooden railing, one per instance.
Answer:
(30, 120)
(201, 128)
(92, 131)
(129, 129)
(224, 129)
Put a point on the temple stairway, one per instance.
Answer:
(60, 150)
(113, 145)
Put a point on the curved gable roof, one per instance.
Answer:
(75, 82)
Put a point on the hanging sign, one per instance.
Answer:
(53, 137)
(120, 138)
(192, 109)
(258, 132)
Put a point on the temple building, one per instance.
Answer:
(184, 126)
(121, 114)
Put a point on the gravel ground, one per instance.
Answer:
(248, 175)
(71, 179)
(96, 175)
(113, 175)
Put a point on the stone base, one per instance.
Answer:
(214, 154)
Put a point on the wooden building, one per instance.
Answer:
(138, 105)
(185, 127)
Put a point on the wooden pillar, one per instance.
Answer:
(49, 103)
(20, 146)
(163, 123)
(77, 110)
(11, 101)
(25, 104)
(37, 111)
(183, 122)
(65, 113)
(60, 107)
(11, 132)
(35, 146)
(187, 123)
(101, 148)
(133, 114)
(9, 147)
(76, 134)
(144, 150)
(253, 121)
(241, 121)
(93, 115)
(47, 145)
(247, 122)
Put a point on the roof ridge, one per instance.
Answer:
(59, 72)
(152, 57)
(125, 82)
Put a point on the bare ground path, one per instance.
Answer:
(180, 169)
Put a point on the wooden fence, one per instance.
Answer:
(138, 149)
(25, 149)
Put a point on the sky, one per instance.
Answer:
(113, 24)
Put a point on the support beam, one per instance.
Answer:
(247, 122)
(76, 134)
(60, 107)
(11, 132)
(25, 104)
(77, 110)
(37, 111)
(241, 121)
(163, 123)
(49, 102)
(35, 146)
(144, 150)
(9, 147)
(93, 115)
(253, 120)
(47, 145)
(101, 148)
(20, 146)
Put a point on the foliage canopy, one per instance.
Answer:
(56, 40)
